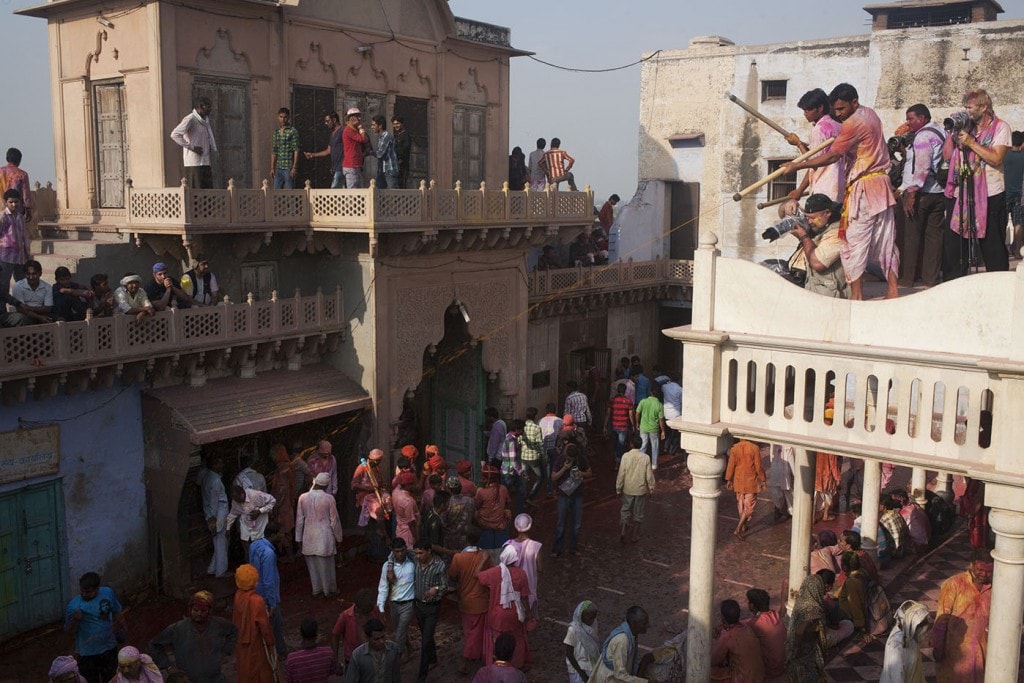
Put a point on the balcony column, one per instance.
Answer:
(707, 471)
(1004, 622)
(944, 486)
(804, 463)
(918, 484)
(869, 506)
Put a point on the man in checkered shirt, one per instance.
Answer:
(576, 405)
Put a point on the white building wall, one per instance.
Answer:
(684, 91)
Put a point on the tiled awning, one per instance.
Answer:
(232, 407)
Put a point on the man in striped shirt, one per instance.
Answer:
(576, 404)
(621, 419)
(310, 663)
(431, 584)
(557, 164)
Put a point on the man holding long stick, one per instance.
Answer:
(829, 180)
(867, 226)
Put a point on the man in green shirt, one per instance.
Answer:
(284, 159)
(650, 415)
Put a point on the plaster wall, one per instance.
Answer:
(635, 330)
(542, 355)
(639, 232)
(684, 91)
(101, 480)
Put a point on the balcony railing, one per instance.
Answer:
(931, 380)
(610, 277)
(176, 208)
(61, 347)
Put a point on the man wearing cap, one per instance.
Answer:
(354, 143)
(318, 530)
(162, 288)
(464, 468)
(373, 502)
(200, 283)
(407, 514)
(323, 461)
(473, 598)
(819, 249)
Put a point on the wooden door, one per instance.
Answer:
(229, 119)
(468, 146)
(414, 113)
(111, 119)
(309, 107)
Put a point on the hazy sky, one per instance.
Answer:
(595, 114)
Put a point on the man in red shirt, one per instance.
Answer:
(607, 214)
(736, 651)
(354, 142)
(770, 630)
(348, 631)
(621, 419)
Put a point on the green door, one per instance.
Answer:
(31, 569)
(458, 407)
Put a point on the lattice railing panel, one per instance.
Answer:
(495, 205)
(644, 271)
(250, 206)
(330, 310)
(538, 205)
(564, 279)
(570, 204)
(264, 318)
(613, 277)
(103, 335)
(34, 344)
(517, 205)
(399, 205)
(161, 205)
(472, 205)
(606, 276)
(201, 322)
(341, 206)
(447, 207)
(680, 270)
(287, 315)
(209, 206)
(239, 320)
(78, 341)
(309, 312)
(151, 331)
(288, 206)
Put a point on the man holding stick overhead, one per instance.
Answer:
(867, 226)
(828, 180)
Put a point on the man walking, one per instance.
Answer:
(473, 598)
(284, 157)
(650, 416)
(335, 149)
(397, 585)
(745, 477)
(531, 444)
(95, 621)
(557, 164)
(387, 157)
(634, 483)
(550, 427)
(263, 557)
(870, 229)
(318, 531)
(431, 582)
(570, 469)
(215, 511)
(576, 404)
(376, 660)
(621, 420)
(195, 137)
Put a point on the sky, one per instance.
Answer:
(596, 115)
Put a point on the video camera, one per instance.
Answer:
(897, 141)
(786, 225)
(958, 120)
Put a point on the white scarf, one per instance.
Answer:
(509, 595)
(205, 123)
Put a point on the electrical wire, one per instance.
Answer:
(596, 71)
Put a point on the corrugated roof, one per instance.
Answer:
(232, 407)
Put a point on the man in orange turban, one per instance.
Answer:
(255, 644)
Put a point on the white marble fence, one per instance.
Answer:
(610, 277)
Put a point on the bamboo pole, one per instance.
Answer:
(776, 202)
(775, 174)
(757, 115)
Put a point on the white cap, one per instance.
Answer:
(354, 111)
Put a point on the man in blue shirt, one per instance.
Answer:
(95, 620)
(397, 583)
(268, 586)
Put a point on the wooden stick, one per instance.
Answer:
(776, 202)
(757, 115)
(775, 174)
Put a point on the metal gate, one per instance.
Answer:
(309, 107)
(458, 405)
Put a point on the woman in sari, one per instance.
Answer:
(805, 641)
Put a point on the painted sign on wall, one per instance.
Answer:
(27, 453)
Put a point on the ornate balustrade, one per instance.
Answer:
(613, 277)
(64, 347)
(933, 380)
(175, 209)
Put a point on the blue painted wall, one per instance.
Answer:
(101, 466)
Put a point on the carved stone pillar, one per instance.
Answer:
(918, 484)
(804, 463)
(869, 511)
(707, 473)
(1002, 662)
(944, 486)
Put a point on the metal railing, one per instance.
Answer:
(67, 346)
(180, 207)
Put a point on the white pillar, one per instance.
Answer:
(944, 486)
(804, 462)
(1004, 622)
(869, 506)
(918, 483)
(707, 473)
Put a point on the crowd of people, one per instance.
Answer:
(32, 300)
(928, 205)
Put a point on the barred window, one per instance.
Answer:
(773, 90)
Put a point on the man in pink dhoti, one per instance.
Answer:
(828, 180)
(960, 637)
(867, 227)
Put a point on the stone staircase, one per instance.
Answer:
(69, 248)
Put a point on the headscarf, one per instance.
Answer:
(523, 522)
(323, 480)
(159, 266)
(410, 452)
(281, 454)
(201, 599)
(903, 648)
(246, 577)
(149, 673)
(567, 420)
(586, 635)
(64, 665)
(436, 463)
(130, 278)
(509, 595)
(432, 449)
(407, 479)
(324, 448)
(463, 467)
(809, 607)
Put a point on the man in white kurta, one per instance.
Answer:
(318, 531)
(780, 479)
(252, 508)
(215, 510)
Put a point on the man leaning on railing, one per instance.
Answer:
(131, 298)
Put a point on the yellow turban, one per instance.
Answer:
(246, 577)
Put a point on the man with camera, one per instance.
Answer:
(819, 248)
(867, 229)
(923, 202)
(977, 185)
